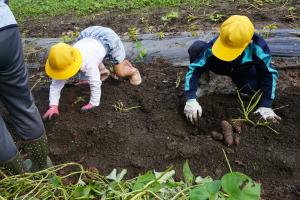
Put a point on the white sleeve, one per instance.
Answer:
(55, 89)
(93, 76)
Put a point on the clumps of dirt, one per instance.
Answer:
(157, 135)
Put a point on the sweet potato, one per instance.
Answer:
(227, 132)
(237, 126)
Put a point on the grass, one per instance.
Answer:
(36, 8)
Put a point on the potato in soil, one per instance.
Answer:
(227, 132)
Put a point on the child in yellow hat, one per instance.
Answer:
(237, 52)
(85, 56)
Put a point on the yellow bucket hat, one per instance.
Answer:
(235, 35)
(63, 62)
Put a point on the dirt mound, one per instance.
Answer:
(157, 135)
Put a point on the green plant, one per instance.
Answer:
(191, 18)
(178, 79)
(262, 2)
(170, 16)
(161, 35)
(73, 181)
(119, 107)
(216, 17)
(132, 33)
(142, 52)
(268, 29)
(78, 100)
(69, 37)
(246, 111)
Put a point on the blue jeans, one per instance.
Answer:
(115, 50)
(15, 95)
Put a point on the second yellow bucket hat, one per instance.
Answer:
(235, 35)
(63, 62)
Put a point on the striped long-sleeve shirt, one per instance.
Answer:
(256, 54)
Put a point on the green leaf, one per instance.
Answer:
(206, 191)
(55, 181)
(187, 174)
(113, 175)
(239, 186)
(121, 175)
(83, 192)
(143, 180)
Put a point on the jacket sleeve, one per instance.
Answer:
(195, 70)
(55, 89)
(267, 74)
(93, 76)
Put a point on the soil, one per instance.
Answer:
(149, 20)
(157, 135)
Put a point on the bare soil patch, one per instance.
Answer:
(157, 135)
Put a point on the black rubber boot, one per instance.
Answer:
(15, 165)
(37, 151)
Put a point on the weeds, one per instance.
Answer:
(161, 35)
(246, 111)
(178, 79)
(142, 52)
(170, 16)
(191, 18)
(133, 33)
(72, 181)
(268, 29)
(78, 99)
(69, 37)
(119, 107)
(216, 17)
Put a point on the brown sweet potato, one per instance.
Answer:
(237, 126)
(227, 132)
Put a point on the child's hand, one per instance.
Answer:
(87, 107)
(53, 110)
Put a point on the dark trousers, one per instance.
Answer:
(245, 80)
(15, 95)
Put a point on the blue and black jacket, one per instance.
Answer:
(256, 56)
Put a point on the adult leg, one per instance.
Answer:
(17, 98)
(10, 158)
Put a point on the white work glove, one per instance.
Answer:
(192, 110)
(268, 114)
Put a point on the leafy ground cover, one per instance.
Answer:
(79, 183)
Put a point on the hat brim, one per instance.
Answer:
(69, 71)
(224, 52)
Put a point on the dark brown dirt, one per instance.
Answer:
(149, 20)
(157, 135)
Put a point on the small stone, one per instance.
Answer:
(218, 172)
(217, 136)
(109, 124)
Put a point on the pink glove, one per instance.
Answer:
(87, 107)
(53, 110)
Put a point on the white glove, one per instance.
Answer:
(192, 110)
(267, 114)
